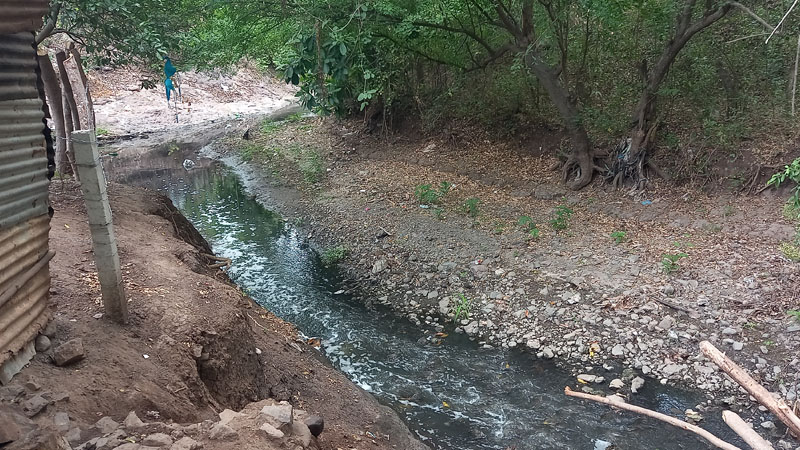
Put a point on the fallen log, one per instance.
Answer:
(748, 435)
(719, 443)
(777, 406)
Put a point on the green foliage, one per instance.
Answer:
(438, 213)
(529, 226)
(562, 214)
(426, 194)
(462, 308)
(791, 172)
(794, 313)
(470, 206)
(269, 127)
(100, 131)
(248, 151)
(791, 250)
(618, 236)
(332, 256)
(669, 262)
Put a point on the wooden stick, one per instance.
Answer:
(748, 435)
(719, 443)
(777, 407)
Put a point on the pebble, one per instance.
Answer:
(767, 425)
(729, 331)
(666, 323)
(548, 353)
(616, 383)
(636, 384)
(69, 352)
(618, 350)
(271, 431)
(42, 343)
(738, 346)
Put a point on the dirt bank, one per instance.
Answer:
(195, 344)
(590, 289)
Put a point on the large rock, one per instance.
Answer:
(42, 343)
(279, 416)
(270, 431)
(222, 432)
(157, 440)
(69, 352)
(9, 431)
(132, 422)
(316, 425)
(35, 405)
(186, 443)
(106, 425)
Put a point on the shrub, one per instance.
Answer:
(332, 256)
(470, 206)
(561, 219)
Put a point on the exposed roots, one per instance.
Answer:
(632, 166)
(578, 170)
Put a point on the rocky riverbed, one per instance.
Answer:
(594, 300)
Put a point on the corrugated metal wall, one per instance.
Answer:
(24, 218)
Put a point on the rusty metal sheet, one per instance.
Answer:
(24, 203)
(22, 15)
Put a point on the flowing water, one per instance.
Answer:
(452, 394)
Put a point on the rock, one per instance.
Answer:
(128, 446)
(222, 432)
(616, 383)
(42, 343)
(270, 431)
(729, 331)
(69, 352)
(315, 424)
(471, 328)
(74, 436)
(636, 384)
(9, 430)
(186, 443)
(227, 415)
(35, 405)
(548, 353)
(666, 323)
(300, 431)
(32, 385)
(618, 350)
(444, 306)
(534, 344)
(767, 425)
(61, 421)
(50, 329)
(672, 369)
(280, 415)
(379, 266)
(132, 421)
(738, 346)
(587, 378)
(668, 289)
(157, 440)
(106, 425)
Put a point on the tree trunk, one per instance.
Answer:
(55, 103)
(76, 56)
(66, 87)
(630, 157)
(580, 161)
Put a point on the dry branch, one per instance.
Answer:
(763, 396)
(748, 434)
(719, 443)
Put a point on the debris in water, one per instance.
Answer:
(188, 164)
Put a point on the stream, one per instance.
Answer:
(452, 393)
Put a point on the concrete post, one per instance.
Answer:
(106, 258)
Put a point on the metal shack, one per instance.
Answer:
(24, 180)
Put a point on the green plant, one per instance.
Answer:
(728, 211)
(794, 313)
(791, 250)
(268, 127)
(669, 262)
(790, 172)
(332, 256)
(100, 131)
(462, 307)
(562, 216)
(470, 206)
(618, 236)
(249, 151)
(438, 213)
(426, 194)
(529, 226)
(172, 147)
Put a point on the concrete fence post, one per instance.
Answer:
(106, 258)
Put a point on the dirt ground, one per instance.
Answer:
(195, 344)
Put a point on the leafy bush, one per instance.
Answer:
(332, 256)
(470, 206)
(529, 226)
(618, 236)
(790, 172)
(561, 219)
(669, 262)
(426, 194)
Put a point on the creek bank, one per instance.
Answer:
(574, 296)
(195, 345)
